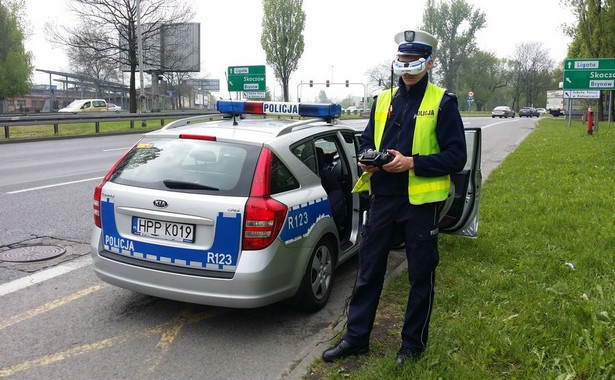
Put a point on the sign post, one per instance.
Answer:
(470, 99)
(589, 74)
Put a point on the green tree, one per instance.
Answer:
(282, 37)
(15, 62)
(454, 23)
(322, 97)
(593, 36)
(486, 76)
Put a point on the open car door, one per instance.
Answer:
(460, 212)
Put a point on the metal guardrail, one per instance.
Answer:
(96, 118)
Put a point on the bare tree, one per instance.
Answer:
(112, 31)
(531, 70)
(380, 76)
(177, 83)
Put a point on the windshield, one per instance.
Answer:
(187, 165)
(75, 104)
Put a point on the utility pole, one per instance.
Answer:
(140, 47)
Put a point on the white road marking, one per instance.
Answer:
(499, 122)
(54, 185)
(111, 150)
(44, 275)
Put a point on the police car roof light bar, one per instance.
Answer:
(323, 111)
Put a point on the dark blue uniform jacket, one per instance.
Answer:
(399, 132)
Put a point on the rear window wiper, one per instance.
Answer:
(180, 185)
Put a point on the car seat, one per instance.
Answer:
(337, 200)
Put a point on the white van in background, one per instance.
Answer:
(86, 105)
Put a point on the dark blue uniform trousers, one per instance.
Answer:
(389, 215)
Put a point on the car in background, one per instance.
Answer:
(113, 108)
(528, 112)
(353, 110)
(245, 212)
(541, 111)
(502, 111)
(85, 105)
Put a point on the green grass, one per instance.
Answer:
(508, 306)
(87, 129)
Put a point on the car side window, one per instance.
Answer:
(307, 154)
(281, 178)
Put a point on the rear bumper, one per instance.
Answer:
(261, 278)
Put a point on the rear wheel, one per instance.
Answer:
(318, 279)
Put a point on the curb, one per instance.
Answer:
(299, 368)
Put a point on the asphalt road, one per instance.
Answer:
(59, 321)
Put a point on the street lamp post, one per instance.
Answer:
(140, 47)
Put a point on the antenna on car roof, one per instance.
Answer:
(231, 99)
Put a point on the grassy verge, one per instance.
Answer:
(534, 296)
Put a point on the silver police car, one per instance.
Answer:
(245, 213)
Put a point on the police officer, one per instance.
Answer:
(419, 125)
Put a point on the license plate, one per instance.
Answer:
(163, 230)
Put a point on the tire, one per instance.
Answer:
(317, 281)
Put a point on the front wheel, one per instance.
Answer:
(318, 279)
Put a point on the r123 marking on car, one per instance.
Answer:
(298, 220)
(219, 258)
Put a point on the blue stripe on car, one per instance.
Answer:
(222, 255)
(301, 218)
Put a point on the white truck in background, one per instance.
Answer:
(555, 102)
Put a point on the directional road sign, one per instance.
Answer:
(570, 94)
(589, 74)
(246, 78)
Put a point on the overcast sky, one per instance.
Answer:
(343, 38)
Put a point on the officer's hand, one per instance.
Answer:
(400, 163)
(368, 168)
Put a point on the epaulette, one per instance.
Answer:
(453, 97)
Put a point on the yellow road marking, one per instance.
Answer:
(49, 306)
(77, 351)
(168, 330)
(176, 325)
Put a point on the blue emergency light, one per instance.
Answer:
(325, 111)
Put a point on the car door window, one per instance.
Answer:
(307, 154)
(281, 178)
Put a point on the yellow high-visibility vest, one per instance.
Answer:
(420, 189)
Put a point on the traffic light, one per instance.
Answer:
(347, 83)
(327, 84)
(311, 83)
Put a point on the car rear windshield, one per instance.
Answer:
(187, 165)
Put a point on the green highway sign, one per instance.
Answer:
(246, 78)
(589, 64)
(589, 74)
(589, 80)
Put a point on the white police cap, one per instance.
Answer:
(415, 42)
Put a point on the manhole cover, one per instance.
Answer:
(31, 253)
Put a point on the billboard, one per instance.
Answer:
(167, 48)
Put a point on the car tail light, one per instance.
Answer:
(98, 190)
(264, 216)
